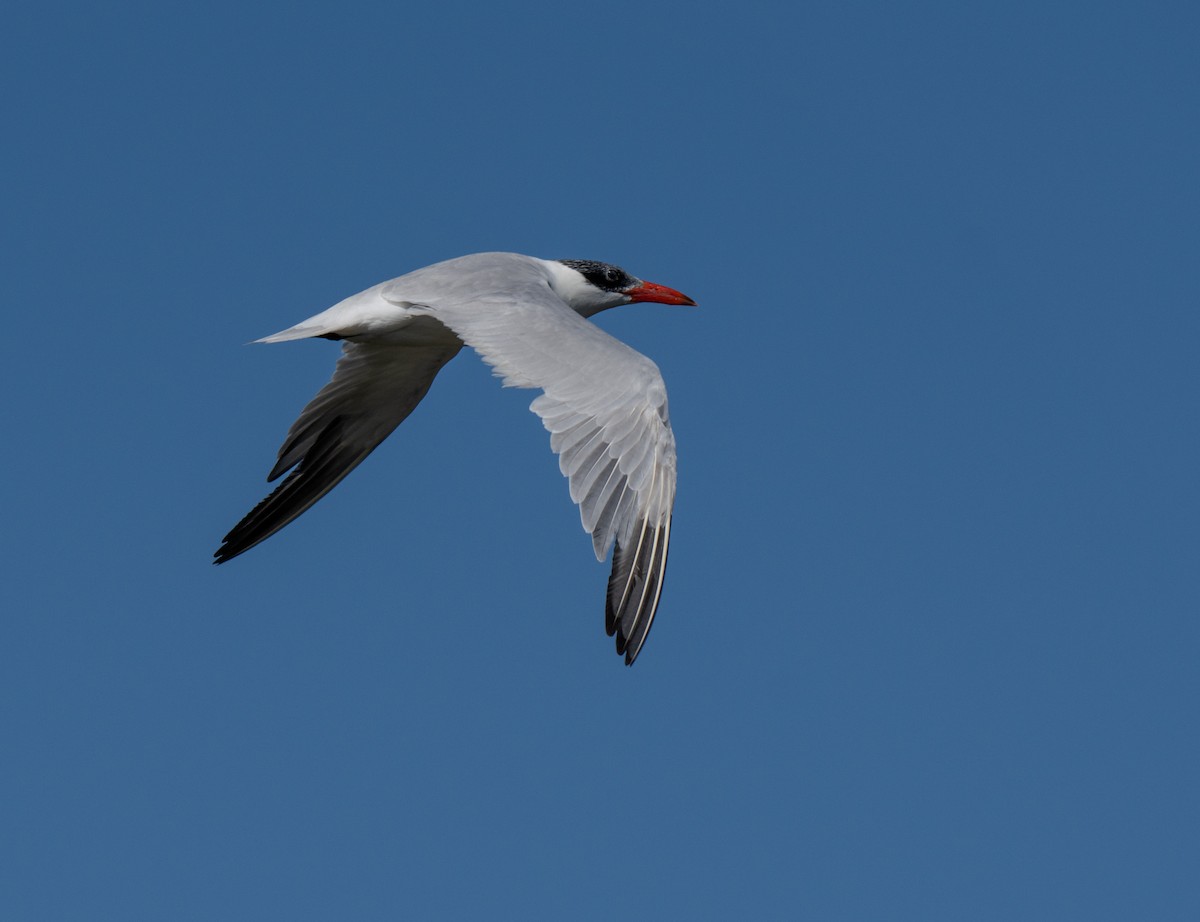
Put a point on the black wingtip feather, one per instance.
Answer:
(323, 468)
(634, 589)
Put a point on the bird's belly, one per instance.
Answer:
(367, 317)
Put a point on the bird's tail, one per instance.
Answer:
(301, 331)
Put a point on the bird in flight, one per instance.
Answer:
(604, 404)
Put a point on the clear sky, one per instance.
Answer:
(929, 640)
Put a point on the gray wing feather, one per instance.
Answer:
(605, 406)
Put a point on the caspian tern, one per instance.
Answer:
(604, 404)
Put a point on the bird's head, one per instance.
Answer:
(590, 287)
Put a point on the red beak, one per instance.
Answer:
(648, 291)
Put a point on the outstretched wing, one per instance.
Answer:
(605, 406)
(374, 388)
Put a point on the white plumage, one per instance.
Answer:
(604, 404)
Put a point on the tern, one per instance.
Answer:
(604, 404)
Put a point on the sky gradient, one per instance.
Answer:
(928, 643)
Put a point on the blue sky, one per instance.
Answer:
(928, 642)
